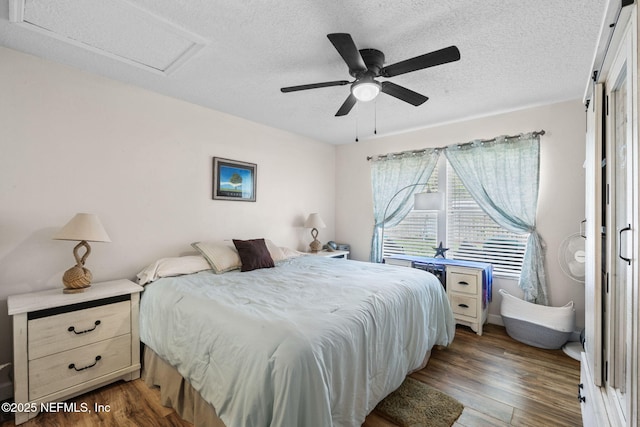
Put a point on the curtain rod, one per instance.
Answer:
(382, 156)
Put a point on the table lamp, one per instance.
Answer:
(85, 228)
(314, 222)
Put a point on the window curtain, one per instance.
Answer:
(391, 200)
(503, 176)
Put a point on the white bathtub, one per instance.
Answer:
(537, 325)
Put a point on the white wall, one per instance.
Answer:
(74, 142)
(561, 196)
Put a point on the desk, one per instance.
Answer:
(468, 285)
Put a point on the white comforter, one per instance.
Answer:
(312, 342)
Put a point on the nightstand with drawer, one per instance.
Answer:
(67, 344)
(468, 285)
(331, 254)
(465, 292)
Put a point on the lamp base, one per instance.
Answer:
(76, 279)
(315, 246)
(75, 290)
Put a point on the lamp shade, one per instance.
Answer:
(428, 201)
(314, 221)
(83, 226)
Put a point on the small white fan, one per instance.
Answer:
(571, 256)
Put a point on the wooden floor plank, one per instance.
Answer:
(500, 381)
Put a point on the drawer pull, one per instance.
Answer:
(73, 329)
(463, 305)
(463, 283)
(73, 366)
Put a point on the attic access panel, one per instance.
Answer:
(114, 28)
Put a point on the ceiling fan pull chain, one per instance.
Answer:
(375, 117)
(357, 117)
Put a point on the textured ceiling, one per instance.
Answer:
(514, 54)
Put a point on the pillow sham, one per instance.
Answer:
(253, 254)
(173, 266)
(221, 256)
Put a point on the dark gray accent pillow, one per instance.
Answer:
(253, 254)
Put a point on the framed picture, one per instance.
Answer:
(234, 180)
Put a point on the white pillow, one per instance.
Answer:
(221, 256)
(175, 266)
(276, 253)
(290, 253)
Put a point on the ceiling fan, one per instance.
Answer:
(367, 64)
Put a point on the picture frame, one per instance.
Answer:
(234, 180)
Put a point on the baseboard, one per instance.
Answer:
(495, 319)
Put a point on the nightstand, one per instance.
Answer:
(332, 254)
(465, 289)
(67, 344)
(468, 285)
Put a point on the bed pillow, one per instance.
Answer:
(221, 256)
(291, 253)
(276, 252)
(253, 254)
(175, 266)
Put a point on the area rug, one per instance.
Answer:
(415, 404)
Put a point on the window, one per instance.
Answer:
(417, 234)
(465, 229)
(473, 236)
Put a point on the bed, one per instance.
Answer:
(314, 341)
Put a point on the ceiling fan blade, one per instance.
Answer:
(438, 57)
(314, 86)
(347, 49)
(347, 105)
(403, 94)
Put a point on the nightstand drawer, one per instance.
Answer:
(462, 282)
(464, 305)
(68, 368)
(52, 334)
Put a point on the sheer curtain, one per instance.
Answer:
(503, 177)
(389, 175)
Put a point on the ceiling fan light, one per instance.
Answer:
(366, 91)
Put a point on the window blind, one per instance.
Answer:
(417, 234)
(473, 236)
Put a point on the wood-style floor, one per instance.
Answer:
(501, 382)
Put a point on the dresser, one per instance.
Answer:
(67, 344)
(468, 285)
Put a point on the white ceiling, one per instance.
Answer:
(235, 55)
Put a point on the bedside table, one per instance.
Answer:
(67, 344)
(468, 283)
(334, 254)
(466, 288)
